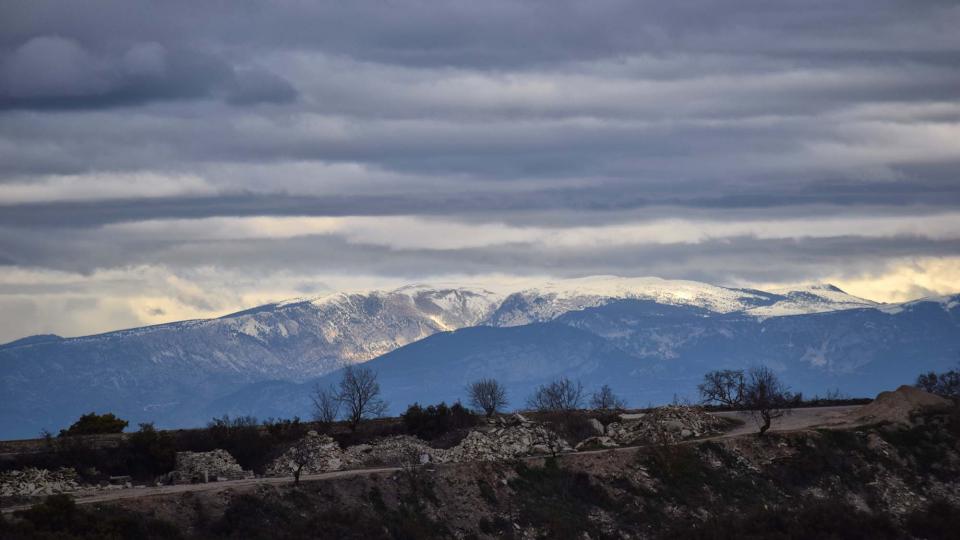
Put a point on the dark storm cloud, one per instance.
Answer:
(499, 32)
(614, 203)
(529, 113)
(52, 72)
(717, 261)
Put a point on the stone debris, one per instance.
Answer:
(599, 442)
(504, 438)
(667, 425)
(508, 437)
(898, 406)
(524, 439)
(216, 465)
(318, 453)
(37, 482)
(392, 451)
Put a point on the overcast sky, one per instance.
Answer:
(169, 160)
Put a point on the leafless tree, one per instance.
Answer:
(359, 394)
(604, 399)
(765, 396)
(326, 405)
(724, 387)
(945, 384)
(300, 454)
(487, 395)
(561, 395)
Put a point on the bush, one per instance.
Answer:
(241, 437)
(59, 517)
(822, 519)
(938, 520)
(95, 424)
(434, 421)
(557, 500)
(150, 453)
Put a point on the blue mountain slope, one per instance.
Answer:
(439, 367)
(860, 351)
(648, 349)
(650, 353)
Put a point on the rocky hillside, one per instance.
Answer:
(878, 481)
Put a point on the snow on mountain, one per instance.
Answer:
(555, 298)
(818, 298)
(165, 372)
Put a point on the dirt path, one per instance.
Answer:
(798, 419)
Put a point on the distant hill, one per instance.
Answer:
(178, 374)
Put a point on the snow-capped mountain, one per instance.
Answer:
(555, 298)
(650, 353)
(169, 372)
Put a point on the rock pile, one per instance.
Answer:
(318, 453)
(897, 406)
(667, 424)
(216, 465)
(33, 482)
(393, 451)
(502, 443)
(507, 438)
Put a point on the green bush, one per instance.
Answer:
(95, 424)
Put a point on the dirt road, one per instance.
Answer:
(798, 419)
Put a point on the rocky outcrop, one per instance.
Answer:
(34, 482)
(216, 465)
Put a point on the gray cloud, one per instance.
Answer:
(52, 72)
(507, 113)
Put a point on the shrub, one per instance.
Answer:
(938, 520)
(241, 437)
(95, 424)
(558, 500)
(434, 421)
(150, 452)
(59, 517)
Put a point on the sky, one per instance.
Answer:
(183, 159)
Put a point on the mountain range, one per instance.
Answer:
(650, 339)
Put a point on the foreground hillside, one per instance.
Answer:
(875, 481)
(649, 334)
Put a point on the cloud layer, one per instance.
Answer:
(249, 151)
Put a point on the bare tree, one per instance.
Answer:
(359, 394)
(765, 396)
(605, 400)
(487, 395)
(723, 387)
(561, 395)
(326, 404)
(300, 454)
(945, 384)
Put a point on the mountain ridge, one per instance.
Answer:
(168, 372)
